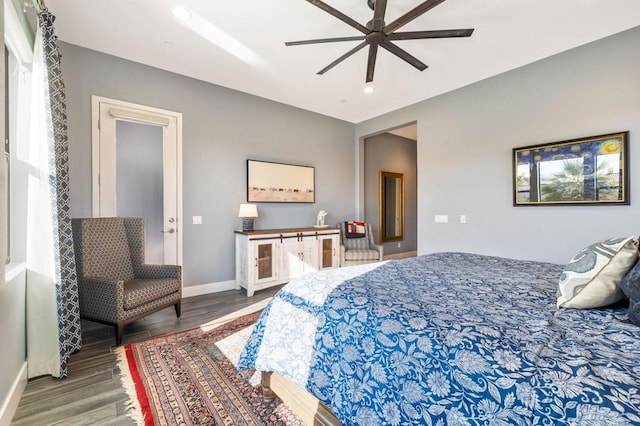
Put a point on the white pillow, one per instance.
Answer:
(592, 278)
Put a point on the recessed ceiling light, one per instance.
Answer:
(181, 13)
(368, 89)
(168, 44)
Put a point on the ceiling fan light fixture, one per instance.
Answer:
(368, 89)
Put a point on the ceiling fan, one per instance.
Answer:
(378, 33)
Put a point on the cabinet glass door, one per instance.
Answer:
(327, 253)
(265, 261)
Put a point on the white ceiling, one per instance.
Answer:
(508, 34)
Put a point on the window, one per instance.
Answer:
(18, 56)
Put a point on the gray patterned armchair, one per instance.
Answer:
(115, 285)
(358, 251)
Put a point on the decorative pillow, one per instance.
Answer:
(592, 278)
(630, 286)
(354, 229)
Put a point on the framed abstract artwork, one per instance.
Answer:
(269, 182)
(591, 170)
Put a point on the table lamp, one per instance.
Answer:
(247, 212)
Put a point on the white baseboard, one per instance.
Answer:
(197, 290)
(400, 255)
(10, 404)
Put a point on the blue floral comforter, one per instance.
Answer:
(450, 339)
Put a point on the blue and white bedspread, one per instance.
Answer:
(450, 339)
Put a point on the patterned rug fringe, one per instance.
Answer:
(134, 410)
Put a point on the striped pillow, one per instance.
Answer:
(592, 278)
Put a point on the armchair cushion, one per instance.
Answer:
(142, 291)
(362, 255)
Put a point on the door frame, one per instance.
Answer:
(95, 153)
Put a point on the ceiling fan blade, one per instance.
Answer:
(403, 54)
(323, 40)
(411, 15)
(371, 63)
(377, 24)
(341, 16)
(342, 58)
(414, 35)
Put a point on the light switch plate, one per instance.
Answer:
(441, 218)
(197, 220)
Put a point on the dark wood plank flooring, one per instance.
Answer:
(92, 393)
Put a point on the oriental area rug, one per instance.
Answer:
(190, 378)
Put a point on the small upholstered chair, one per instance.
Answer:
(115, 285)
(356, 244)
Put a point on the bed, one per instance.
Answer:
(447, 339)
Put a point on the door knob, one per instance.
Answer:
(169, 231)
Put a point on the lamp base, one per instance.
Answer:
(247, 224)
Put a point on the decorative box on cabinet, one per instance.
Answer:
(265, 258)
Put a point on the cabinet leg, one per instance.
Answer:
(249, 293)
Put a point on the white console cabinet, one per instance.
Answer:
(265, 258)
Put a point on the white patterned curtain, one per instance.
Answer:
(53, 312)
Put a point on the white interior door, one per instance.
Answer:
(137, 172)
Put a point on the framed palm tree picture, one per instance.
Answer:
(591, 170)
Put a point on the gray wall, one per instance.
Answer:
(465, 139)
(222, 128)
(396, 154)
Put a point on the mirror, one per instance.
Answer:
(391, 206)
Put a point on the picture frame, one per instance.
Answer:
(270, 182)
(592, 170)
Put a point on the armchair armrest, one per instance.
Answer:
(149, 271)
(380, 249)
(96, 293)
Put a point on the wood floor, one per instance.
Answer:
(92, 393)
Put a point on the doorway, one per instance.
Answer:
(392, 152)
(137, 171)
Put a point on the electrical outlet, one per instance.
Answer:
(399, 244)
(463, 218)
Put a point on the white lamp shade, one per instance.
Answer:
(248, 210)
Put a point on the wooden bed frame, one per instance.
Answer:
(299, 400)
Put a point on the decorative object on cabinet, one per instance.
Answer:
(358, 250)
(320, 223)
(279, 183)
(591, 170)
(271, 257)
(116, 286)
(247, 212)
